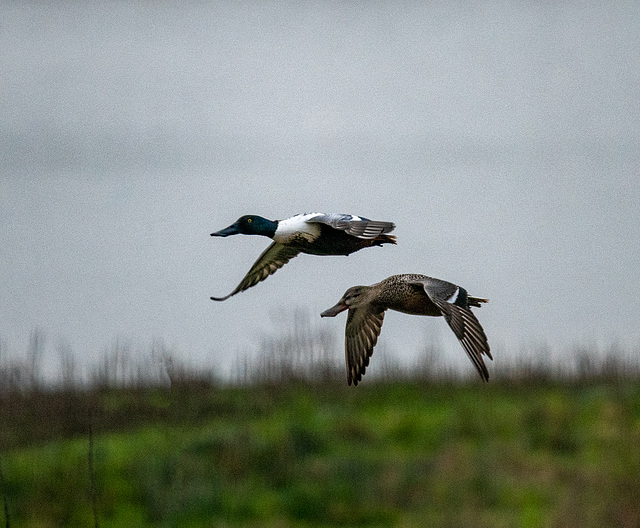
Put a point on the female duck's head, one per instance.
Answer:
(354, 297)
(249, 225)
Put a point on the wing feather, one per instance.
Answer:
(462, 321)
(469, 332)
(361, 335)
(270, 261)
(354, 225)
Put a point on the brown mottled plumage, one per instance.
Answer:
(412, 294)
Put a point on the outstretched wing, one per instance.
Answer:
(462, 321)
(361, 335)
(356, 226)
(271, 260)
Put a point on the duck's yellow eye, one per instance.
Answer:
(249, 220)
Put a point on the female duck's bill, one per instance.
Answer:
(335, 310)
(413, 294)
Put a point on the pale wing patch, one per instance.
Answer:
(438, 289)
(454, 296)
(354, 225)
(270, 261)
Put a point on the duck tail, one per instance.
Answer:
(384, 239)
(476, 301)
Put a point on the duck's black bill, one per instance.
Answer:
(231, 230)
(334, 310)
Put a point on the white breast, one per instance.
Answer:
(297, 225)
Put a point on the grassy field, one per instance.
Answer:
(404, 453)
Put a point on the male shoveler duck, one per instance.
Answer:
(411, 294)
(313, 233)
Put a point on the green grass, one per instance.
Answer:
(382, 454)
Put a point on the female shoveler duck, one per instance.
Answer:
(411, 294)
(313, 233)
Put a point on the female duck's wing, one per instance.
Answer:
(361, 335)
(462, 321)
(271, 260)
(356, 226)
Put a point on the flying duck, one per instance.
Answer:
(411, 294)
(313, 233)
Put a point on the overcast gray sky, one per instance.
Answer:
(502, 138)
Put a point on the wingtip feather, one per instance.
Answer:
(221, 298)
